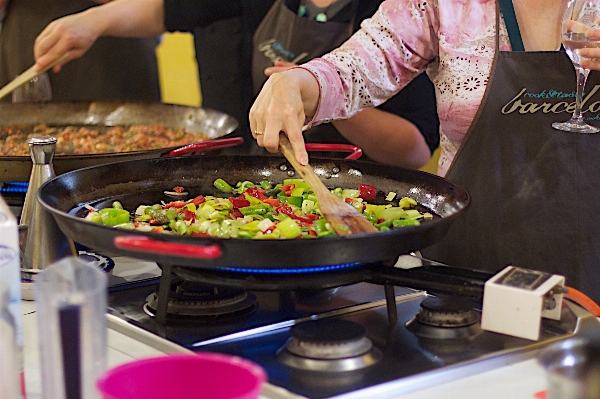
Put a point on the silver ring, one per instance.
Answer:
(257, 133)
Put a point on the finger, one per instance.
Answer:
(591, 63)
(593, 34)
(257, 127)
(577, 27)
(293, 130)
(589, 52)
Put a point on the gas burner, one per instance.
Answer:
(328, 345)
(445, 318)
(192, 299)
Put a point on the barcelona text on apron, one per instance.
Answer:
(285, 36)
(535, 190)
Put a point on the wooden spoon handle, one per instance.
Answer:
(306, 171)
(27, 76)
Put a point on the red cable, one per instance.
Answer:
(583, 300)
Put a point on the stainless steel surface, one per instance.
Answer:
(573, 368)
(41, 150)
(100, 114)
(401, 363)
(42, 242)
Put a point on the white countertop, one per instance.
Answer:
(522, 380)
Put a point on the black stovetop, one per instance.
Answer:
(257, 335)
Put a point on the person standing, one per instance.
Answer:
(223, 49)
(493, 65)
(295, 31)
(115, 69)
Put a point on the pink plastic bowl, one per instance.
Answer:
(203, 375)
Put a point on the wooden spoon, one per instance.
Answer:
(344, 219)
(27, 76)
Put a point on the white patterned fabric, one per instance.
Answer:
(452, 40)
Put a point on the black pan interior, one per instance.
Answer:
(143, 181)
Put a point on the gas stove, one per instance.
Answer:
(354, 341)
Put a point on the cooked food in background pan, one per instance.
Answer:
(96, 140)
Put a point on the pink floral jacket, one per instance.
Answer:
(452, 40)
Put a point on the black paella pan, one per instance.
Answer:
(144, 181)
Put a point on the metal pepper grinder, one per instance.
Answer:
(41, 240)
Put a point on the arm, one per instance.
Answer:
(364, 72)
(383, 136)
(285, 102)
(386, 138)
(75, 34)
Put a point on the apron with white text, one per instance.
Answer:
(535, 190)
(285, 36)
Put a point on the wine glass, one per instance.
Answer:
(37, 89)
(578, 18)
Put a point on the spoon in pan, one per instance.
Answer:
(344, 218)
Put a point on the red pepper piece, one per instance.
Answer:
(175, 204)
(313, 216)
(288, 189)
(239, 202)
(199, 234)
(178, 189)
(274, 202)
(189, 215)
(198, 200)
(368, 193)
(235, 213)
(312, 233)
(256, 193)
(287, 210)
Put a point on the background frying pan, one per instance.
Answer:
(213, 123)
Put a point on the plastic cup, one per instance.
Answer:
(202, 375)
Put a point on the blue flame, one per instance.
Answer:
(303, 270)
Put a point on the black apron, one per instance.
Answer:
(112, 69)
(285, 36)
(535, 190)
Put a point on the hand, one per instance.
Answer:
(73, 34)
(283, 104)
(279, 66)
(591, 56)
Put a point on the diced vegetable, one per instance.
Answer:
(367, 192)
(406, 202)
(222, 185)
(259, 211)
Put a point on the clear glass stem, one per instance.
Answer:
(582, 74)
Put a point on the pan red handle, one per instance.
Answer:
(208, 145)
(355, 152)
(147, 245)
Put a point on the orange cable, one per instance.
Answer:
(583, 300)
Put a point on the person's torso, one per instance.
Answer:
(453, 41)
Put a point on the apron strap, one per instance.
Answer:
(512, 26)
